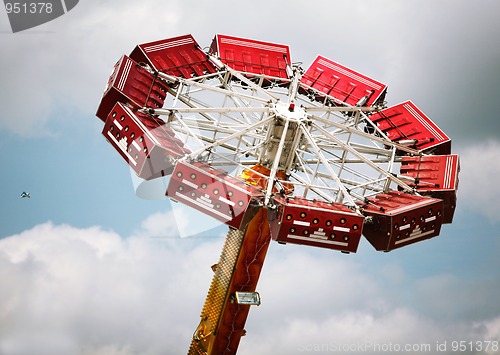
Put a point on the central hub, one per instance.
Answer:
(290, 112)
(283, 136)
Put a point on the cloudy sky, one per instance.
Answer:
(87, 267)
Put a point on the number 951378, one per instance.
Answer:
(28, 8)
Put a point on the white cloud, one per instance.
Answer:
(492, 328)
(67, 61)
(312, 300)
(72, 289)
(180, 221)
(62, 67)
(480, 168)
(160, 224)
(88, 291)
(366, 333)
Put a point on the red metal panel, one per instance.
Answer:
(435, 176)
(179, 56)
(252, 56)
(212, 191)
(132, 84)
(342, 83)
(400, 219)
(433, 172)
(146, 144)
(316, 223)
(405, 123)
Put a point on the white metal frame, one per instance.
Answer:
(237, 119)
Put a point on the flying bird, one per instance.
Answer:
(25, 195)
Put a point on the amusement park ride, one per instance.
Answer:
(312, 157)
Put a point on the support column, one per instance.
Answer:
(222, 319)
